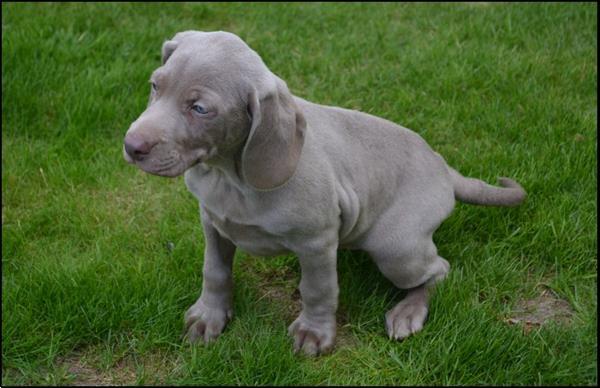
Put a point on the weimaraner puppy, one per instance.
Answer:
(275, 173)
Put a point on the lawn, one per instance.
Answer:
(100, 260)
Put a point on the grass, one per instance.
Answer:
(99, 260)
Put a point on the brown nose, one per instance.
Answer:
(137, 147)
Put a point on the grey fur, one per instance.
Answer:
(275, 173)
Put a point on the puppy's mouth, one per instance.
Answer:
(171, 166)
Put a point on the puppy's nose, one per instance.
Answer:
(137, 147)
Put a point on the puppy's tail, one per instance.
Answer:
(477, 192)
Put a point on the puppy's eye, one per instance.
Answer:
(199, 109)
(154, 87)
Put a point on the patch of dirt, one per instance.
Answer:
(84, 375)
(546, 308)
(278, 285)
(344, 338)
(80, 370)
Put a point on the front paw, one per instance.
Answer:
(206, 323)
(313, 338)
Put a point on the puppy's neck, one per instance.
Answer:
(227, 166)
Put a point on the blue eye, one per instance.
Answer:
(199, 109)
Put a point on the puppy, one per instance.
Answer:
(274, 173)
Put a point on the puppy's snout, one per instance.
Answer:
(137, 147)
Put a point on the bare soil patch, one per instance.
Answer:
(543, 309)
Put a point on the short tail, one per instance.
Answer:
(477, 192)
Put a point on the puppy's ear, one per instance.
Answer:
(167, 49)
(273, 147)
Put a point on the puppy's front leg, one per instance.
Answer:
(207, 318)
(314, 330)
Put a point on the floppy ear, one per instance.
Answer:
(273, 147)
(167, 49)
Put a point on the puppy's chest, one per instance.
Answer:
(241, 218)
(247, 233)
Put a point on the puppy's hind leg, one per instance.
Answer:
(410, 314)
(418, 273)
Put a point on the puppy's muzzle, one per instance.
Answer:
(137, 147)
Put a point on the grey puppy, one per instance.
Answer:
(275, 174)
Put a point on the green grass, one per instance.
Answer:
(92, 292)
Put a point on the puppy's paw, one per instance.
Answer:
(205, 323)
(311, 337)
(406, 318)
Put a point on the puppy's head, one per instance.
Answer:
(213, 97)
